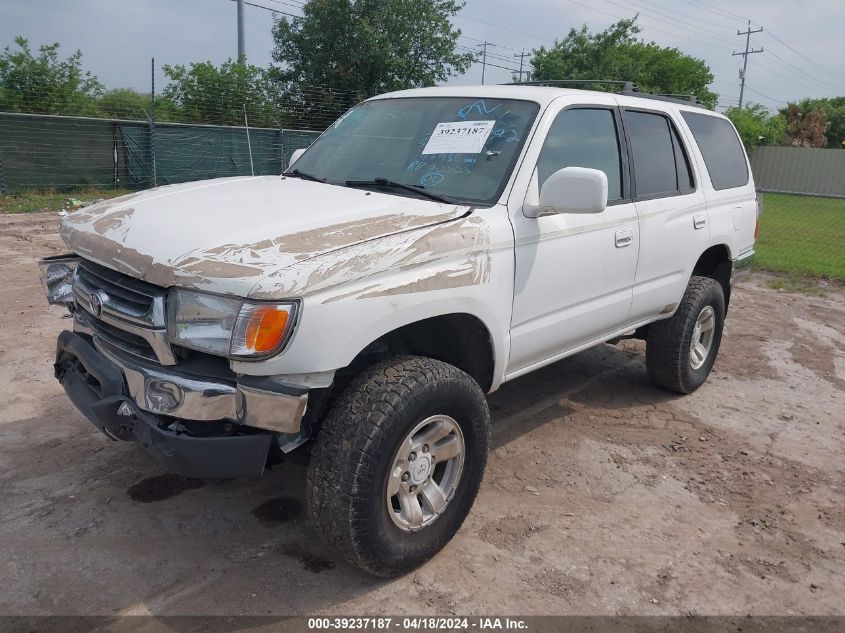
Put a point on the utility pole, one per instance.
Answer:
(521, 56)
(483, 60)
(152, 121)
(747, 33)
(241, 41)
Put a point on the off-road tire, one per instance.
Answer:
(347, 474)
(668, 341)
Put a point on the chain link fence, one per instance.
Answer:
(132, 140)
(40, 152)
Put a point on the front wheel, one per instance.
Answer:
(397, 463)
(681, 350)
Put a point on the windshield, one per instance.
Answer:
(456, 147)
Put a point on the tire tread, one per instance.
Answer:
(337, 481)
(667, 343)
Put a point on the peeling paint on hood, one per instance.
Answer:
(225, 235)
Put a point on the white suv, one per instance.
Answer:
(431, 245)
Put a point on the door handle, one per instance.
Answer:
(624, 238)
(698, 221)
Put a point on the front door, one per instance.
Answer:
(574, 272)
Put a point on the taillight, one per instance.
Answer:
(759, 204)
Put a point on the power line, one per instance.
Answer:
(686, 26)
(657, 30)
(490, 55)
(814, 62)
(261, 6)
(728, 23)
(475, 39)
(504, 28)
(716, 10)
(488, 64)
(765, 96)
(776, 73)
(800, 71)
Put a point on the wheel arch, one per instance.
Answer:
(715, 262)
(461, 339)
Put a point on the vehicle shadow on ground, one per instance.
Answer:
(218, 543)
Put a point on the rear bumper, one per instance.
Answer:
(741, 266)
(96, 387)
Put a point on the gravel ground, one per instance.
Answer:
(603, 495)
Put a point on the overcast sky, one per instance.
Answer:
(118, 37)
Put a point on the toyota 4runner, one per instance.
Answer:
(431, 245)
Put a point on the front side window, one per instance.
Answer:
(721, 149)
(583, 137)
(462, 148)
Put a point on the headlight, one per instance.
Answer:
(57, 278)
(226, 326)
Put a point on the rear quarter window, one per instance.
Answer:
(721, 149)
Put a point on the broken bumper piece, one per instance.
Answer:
(208, 449)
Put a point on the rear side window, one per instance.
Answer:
(720, 148)
(583, 137)
(661, 166)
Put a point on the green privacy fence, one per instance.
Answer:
(58, 152)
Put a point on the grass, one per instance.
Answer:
(802, 236)
(811, 286)
(33, 201)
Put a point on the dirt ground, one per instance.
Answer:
(603, 494)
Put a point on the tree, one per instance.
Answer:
(46, 83)
(205, 93)
(806, 126)
(836, 126)
(756, 126)
(617, 54)
(342, 51)
(836, 129)
(833, 110)
(125, 103)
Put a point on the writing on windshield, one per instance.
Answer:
(462, 148)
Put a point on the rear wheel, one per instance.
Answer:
(397, 463)
(681, 350)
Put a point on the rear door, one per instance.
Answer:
(671, 210)
(727, 182)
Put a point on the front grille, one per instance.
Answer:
(123, 313)
(121, 340)
(128, 298)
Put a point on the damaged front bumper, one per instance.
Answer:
(191, 426)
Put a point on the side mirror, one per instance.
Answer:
(572, 190)
(295, 156)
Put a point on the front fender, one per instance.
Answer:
(352, 297)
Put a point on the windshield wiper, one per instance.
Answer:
(295, 173)
(390, 184)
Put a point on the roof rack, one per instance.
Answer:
(552, 83)
(629, 88)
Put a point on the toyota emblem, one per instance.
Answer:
(97, 299)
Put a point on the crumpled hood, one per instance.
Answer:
(225, 235)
